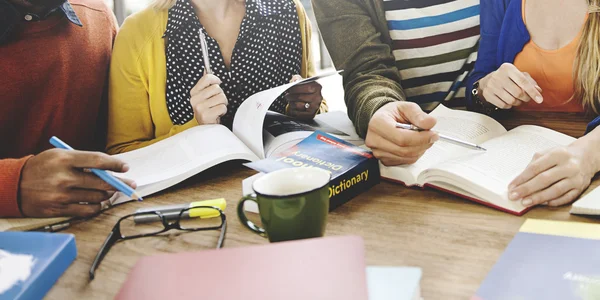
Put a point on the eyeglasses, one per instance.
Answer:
(128, 227)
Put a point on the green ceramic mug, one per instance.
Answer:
(293, 204)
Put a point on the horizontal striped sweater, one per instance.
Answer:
(435, 45)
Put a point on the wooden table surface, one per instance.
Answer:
(456, 242)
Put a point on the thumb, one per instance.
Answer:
(413, 114)
(296, 78)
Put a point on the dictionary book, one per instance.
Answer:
(353, 169)
(547, 260)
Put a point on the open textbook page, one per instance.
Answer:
(486, 175)
(179, 157)
(468, 126)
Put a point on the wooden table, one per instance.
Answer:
(456, 242)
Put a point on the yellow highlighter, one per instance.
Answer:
(171, 212)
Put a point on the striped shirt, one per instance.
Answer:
(435, 45)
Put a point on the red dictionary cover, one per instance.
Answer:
(512, 212)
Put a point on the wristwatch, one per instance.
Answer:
(479, 104)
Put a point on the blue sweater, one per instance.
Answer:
(503, 36)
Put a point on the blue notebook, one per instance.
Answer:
(43, 256)
(547, 260)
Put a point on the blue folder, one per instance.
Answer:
(53, 253)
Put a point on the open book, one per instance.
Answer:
(188, 153)
(481, 176)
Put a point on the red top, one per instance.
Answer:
(53, 83)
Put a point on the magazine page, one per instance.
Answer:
(282, 132)
(250, 116)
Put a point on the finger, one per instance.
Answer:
(491, 97)
(537, 86)
(389, 160)
(309, 88)
(206, 95)
(506, 97)
(555, 191)
(204, 82)
(81, 210)
(524, 83)
(415, 115)
(88, 196)
(384, 145)
(213, 114)
(313, 99)
(567, 198)
(515, 91)
(538, 183)
(92, 182)
(407, 138)
(296, 78)
(97, 160)
(299, 107)
(535, 167)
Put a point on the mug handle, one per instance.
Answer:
(242, 215)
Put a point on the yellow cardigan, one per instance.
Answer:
(137, 112)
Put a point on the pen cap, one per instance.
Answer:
(207, 213)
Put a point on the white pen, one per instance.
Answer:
(443, 137)
(205, 57)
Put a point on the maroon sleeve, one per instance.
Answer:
(9, 186)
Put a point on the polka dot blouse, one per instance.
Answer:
(268, 52)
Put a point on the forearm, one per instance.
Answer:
(9, 186)
(371, 78)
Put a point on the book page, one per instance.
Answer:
(506, 157)
(249, 118)
(179, 157)
(468, 126)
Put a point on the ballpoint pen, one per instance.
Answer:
(443, 137)
(113, 181)
(205, 57)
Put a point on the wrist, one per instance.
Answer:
(587, 146)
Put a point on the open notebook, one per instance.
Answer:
(588, 204)
(481, 176)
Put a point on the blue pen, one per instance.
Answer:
(113, 181)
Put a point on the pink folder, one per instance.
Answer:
(323, 268)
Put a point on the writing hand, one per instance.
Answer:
(508, 87)
(304, 100)
(54, 183)
(396, 147)
(208, 100)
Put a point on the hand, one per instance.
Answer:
(301, 95)
(55, 184)
(393, 146)
(208, 100)
(556, 177)
(508, 87)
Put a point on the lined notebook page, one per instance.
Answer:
(588, 204)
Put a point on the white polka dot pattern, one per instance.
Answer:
(268, 52)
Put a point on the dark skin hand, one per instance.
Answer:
(38, 7)
(299, 95)
(55, 183)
